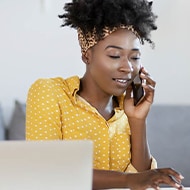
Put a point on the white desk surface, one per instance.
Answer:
(166, 188)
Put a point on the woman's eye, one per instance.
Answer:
(135, 58)
(114, 56)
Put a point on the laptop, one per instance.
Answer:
(46, 165)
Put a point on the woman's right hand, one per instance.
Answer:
(153, 178)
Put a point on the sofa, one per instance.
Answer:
(169, 137)
(168, 131)
(15, 129)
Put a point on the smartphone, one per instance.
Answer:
(138, 91)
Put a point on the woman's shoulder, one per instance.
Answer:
(56, 81)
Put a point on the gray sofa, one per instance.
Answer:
(15, 130)
(168, 132)
(169, 137)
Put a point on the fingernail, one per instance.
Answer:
(181, 177)
(177, 185)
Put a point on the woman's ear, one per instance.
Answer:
(86, 57)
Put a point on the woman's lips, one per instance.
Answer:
(122, 82)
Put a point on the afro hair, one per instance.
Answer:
(98, 14)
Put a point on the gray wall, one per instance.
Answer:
(33, 45)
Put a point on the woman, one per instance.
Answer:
(99, 106)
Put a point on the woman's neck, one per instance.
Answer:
(103, 102)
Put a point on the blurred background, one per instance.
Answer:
(33, 45)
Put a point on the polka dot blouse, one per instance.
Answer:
(55, 112)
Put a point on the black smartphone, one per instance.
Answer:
(138, 91)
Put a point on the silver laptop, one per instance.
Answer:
(47, 165)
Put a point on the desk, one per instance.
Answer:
(163, 188)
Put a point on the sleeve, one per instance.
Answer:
(42, 112)
(131, 168)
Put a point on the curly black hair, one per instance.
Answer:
(98, 14)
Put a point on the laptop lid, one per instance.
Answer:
(46, 165)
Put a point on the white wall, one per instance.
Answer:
(169, 62)
(33, 45)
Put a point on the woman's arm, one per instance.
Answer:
(42, 112)
(140, 154)
(104, 179)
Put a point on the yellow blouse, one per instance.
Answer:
(55, 112)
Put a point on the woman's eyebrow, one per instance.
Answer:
(118, 47)
(112, 46)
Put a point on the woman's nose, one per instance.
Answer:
(126, 66)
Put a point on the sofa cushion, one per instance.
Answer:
(169, 137)
(16, 128)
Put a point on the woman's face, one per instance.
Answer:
(114, 62)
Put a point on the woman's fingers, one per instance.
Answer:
(169, 171)
(148, 84)
(170, 177)
(147, 79)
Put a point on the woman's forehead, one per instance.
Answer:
(121, 38)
